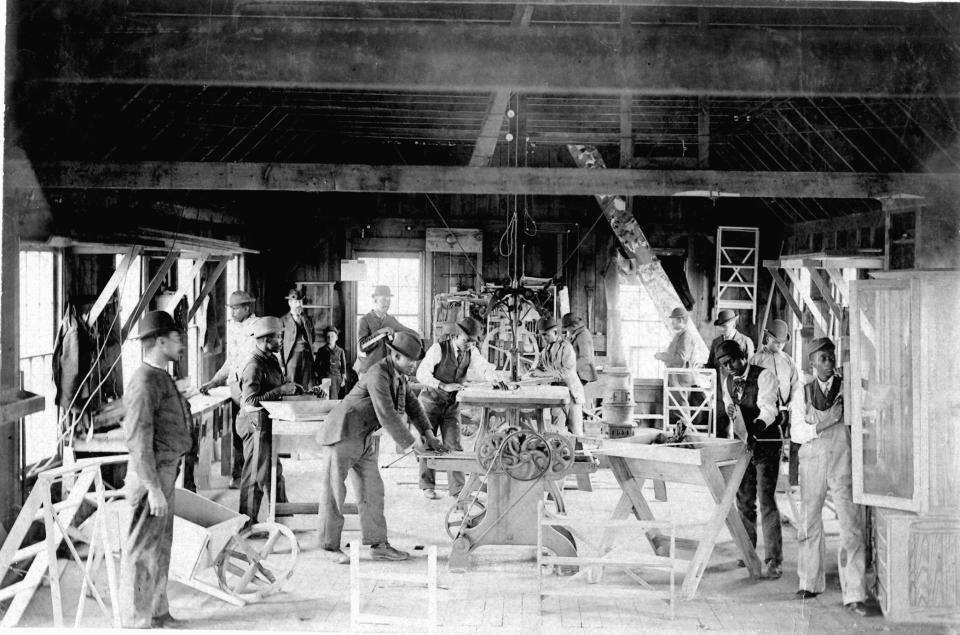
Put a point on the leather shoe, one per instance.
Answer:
(861, 609)
(741, 563)
(431, 494)
(336, 556)
(803, 594)
(234, 484)
(773, 571)
(167, 621)
(384, 551)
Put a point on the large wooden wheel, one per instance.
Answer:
(498, 345)
(258, 561)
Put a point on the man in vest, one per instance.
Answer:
(240, 346)
(559, 362)
(727, 321)
(380, 398)
(260, 380)
(750, 400)
(157, 431)
(376, 328)
(826, 466)
(447, 365)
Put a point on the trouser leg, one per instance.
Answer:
(450, 434)
(434, 412)
(851, 556)
(145, 556)
(250, 494)
(335, 463)
(747, 500)
(373, 524)
(237, 467)
(558, 416)
(813, 493)
(191, 459)
(574, 415)
(768, 469)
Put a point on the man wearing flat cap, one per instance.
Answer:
(447, 365)
(750, 400)
(376, 328)
(826, 467)
(260, 380)
(559, 362)
(297, 351)
(727, 321)
(157, 431)
(240, 346)
(582, 342)
(380, 399)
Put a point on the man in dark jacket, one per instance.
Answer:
(379, 399)
(297, 332)
(727, 321)
(260, 380)
(582, 342)
(331, 362)
(157, 431)
(750, 397)
(376, 328)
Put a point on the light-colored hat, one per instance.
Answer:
(779, 329)
(679, 312)
(382, 290)
(267, 325)
(407, 344)
(240, 297)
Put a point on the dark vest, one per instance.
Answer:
(748, 401)
(447, 370)
(817, 399)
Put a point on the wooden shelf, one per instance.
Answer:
(17, 404)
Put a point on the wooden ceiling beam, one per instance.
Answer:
(679, 60)
(318, 177)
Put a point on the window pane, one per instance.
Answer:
(38, 317)
(402, 275)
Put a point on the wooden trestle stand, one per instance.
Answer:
(718, 464)
(517, 468)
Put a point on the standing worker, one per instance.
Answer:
(260, 380)
(582, 342)
(331, 362)
(559, 362)
(380, 398)
(443, 371)
(157, 431)
(297, 332)
(240, 346)
(727, 321)
(750, 397)
(679, 355)
(826, 466)
(376, 328)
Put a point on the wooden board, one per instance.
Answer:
(524, 396)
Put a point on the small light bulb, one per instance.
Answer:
(511, 114)
(509, 136)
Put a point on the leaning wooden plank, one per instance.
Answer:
(207, 288)
(148, 294)
(112, 284)
(41, 563)
(11, 546)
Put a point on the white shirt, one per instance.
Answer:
(478, 370)
(790, 388)
(240, 347)
(766, 395)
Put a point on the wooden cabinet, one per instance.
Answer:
(905, 400)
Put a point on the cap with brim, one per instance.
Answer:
(156, 323)
(546, 323)
(679, 312)
(779, 329)
(238, 298)
(724, 316)
(267, 325)
(470, 327)
(295, 294)
(408, 345)
(331, 329)
(821, 344)
(382, 290)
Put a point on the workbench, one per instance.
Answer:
(717, 464)
(509, 516)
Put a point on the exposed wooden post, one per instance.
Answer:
(148, 294)
(207, 288)
(10, 485)
(119, 274)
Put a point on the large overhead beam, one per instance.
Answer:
(317, 177)
(678, 60)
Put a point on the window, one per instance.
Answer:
(39, 282)
(402, 275)
(644, 333)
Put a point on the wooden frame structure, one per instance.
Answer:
(358, 617)
(737, 269)
(678, 386)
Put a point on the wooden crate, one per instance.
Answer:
(917, 561)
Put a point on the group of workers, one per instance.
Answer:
(765, 401)
(270, 357)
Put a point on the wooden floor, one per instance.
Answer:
(499, 595)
